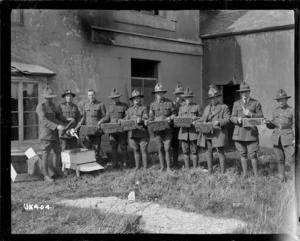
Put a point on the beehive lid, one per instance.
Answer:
(90, 167)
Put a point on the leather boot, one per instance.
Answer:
(209, 158)
(293, 171)
(168, 160)
(124, 157)
(161, 160)
(254, 166)
(222, 162)
(145, 159)
(137, 157)
(114, 155)
(194, 159)
(186, 159)
(281, 171)
(244, 166)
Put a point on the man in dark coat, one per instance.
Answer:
(283, 138)
(93, 112)
(189, 136)
(51, 121)
(162, 109)
(116, 111)
(138, 138)
(69, 110)
(218, 115)
(175, 141)
(246, 138)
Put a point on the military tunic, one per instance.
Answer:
(116, 112)
(246, 138)
(283, 135)
(189, 136)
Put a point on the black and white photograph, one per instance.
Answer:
(153, 121)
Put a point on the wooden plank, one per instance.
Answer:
(89, 167)
(23, 177)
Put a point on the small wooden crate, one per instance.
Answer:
(80, 160)
(110, 128)
(203, 127)
(183, 122)
(247, 122)
(160, 125)
(129, 125)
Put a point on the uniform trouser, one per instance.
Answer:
(163, 142)
(283, 154)
(115, 140)
(93, 142)
(209, 155)
(68, 143)
(175, 146)
(190, 148)
(139, 146)
(49, 145)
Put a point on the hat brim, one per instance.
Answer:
(132, 97)
(63, 95)
(48, 96)
(244, 90)
(177, 93)
(114, 96)
(184, 96)
(285, 97)
(159, 91)
(210, 97)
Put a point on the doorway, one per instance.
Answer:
(229, 97)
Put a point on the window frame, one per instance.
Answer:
(20, 81)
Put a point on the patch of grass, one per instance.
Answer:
(263, 203)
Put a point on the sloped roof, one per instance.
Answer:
(32, 69)
(237, 21)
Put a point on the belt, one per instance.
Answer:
(279, 127)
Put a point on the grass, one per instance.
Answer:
(263, 204)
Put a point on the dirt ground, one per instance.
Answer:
(158, 219)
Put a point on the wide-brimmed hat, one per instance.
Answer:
(213, 92)
(136, 93)
(178, 89)
(47, 92)
(158, 88)
(187, 93)
(244, 87)
(68, 92)
(114, 93)
(281, 94)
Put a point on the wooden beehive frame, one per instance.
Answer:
(129, 125)
(160, 125)
(110, 128)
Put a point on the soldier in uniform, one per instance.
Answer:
(138, 138)
(116, 111)
(175, 142)
(189, 136)
(93, 112)
(69, 110)
(218, 115)
(283, 139)
(51, 121)
(162, 109)
(246, 138)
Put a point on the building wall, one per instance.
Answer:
(264, 60)
(61, 41)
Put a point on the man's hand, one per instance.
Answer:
(70, 119)
(168, 119)
(145, 122)
(266, 121)
(99, 122)
(138, 120)
(239, 120)
(294, 144)
(216, 123)
(60, 127)
(119, 121)
(247, 112)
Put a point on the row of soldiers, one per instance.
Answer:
(53, 120)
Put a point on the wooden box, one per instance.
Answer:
(80, 159)
(160, 125)
(203, 127)
(247, 122)
(129, 125)
(110, 128)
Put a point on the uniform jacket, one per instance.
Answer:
(49, 118)
(133, 113)
(245, 133)
(162, 110)
(69, 110)
(115, 112)
(177, 106)
(219, 137)
(189, 110)
(93, 112)
(282, 118)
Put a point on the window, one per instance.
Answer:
(144, 76)
(24, 99)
